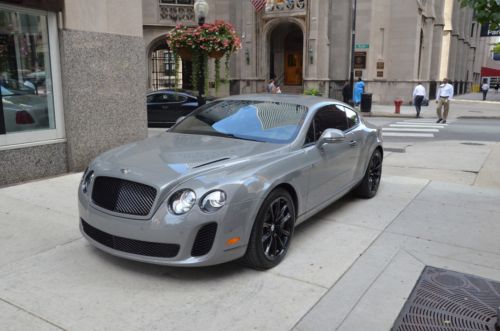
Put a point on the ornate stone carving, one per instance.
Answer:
(285, 5)
(176, 14)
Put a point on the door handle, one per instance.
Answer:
(353, 143)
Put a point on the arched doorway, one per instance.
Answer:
(162, 68)
(286, 54)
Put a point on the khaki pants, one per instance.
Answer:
(446, 103)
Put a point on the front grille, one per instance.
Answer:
(123, 196)
(204, 240)
(130, 245)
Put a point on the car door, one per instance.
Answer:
(331, 171)
(174, 108)
(155, 102)
(166, 108)
(356, 137)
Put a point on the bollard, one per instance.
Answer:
(397, 104)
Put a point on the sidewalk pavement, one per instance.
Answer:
(459, 108)
(351, 267)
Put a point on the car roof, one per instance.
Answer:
(299, 99)
(173, 91)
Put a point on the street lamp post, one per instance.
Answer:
(201, 13)
(353, 43)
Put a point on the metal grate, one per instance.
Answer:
(444, 300)
(204, 240)
(130, 245)
(123, 196)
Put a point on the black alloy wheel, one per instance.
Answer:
(277, 229)
(369, 184)
(272, 231)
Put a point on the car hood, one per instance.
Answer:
(173, 157)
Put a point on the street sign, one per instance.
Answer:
(487, 32)
(364, 46)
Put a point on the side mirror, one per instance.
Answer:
(331, 136)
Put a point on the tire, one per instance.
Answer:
(272, 231)
(369, 184)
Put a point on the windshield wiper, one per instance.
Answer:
(230, 135)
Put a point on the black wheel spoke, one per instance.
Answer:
(268, 247)
(285, 233)
(277, 228)
(284, 220)
(266, 237)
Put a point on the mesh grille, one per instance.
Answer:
(447, 300)
(204, 240)
(123, 196)
(130, 245)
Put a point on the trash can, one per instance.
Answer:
(366, 102)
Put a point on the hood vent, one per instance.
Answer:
(215, 161)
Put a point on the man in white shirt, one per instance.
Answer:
(484, 88)
(443, 97)
(418, 97)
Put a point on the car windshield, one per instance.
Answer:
(265, 121)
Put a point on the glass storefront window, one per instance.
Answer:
(25, 73)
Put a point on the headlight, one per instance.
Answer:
(87, 178)
(213, 201)
(182, 201)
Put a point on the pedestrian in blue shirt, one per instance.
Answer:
(359, 88)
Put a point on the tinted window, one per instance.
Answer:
(352, 117)
(266, 121)
(176, 98)
(329, 117)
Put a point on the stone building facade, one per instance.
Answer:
(69, 71)
(307, 44)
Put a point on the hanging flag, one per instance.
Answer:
(258, 4)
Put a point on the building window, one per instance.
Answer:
(176, 2)
(30, 94)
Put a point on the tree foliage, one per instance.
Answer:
(496, 48)
(486, 11)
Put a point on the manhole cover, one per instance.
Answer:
(447, 300)
(473, 144)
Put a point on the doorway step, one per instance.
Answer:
(292, 89)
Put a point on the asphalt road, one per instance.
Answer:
(416, 130)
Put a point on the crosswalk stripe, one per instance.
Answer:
(417, 126)
(420, 123)
(410, 130)
(419, 135)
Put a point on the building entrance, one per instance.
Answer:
(286, 62)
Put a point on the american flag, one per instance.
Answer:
(258, 4)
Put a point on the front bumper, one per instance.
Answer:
(170, 236)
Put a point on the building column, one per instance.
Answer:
(446, 40)
(427, 49)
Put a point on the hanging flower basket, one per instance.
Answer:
(185, 53)
(214, 40)
(216, 54)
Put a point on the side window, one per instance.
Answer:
(176, 98)
(150, 98)
(158, 97)
(329, 117)
(352, 117)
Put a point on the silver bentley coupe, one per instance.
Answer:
(229, 181)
